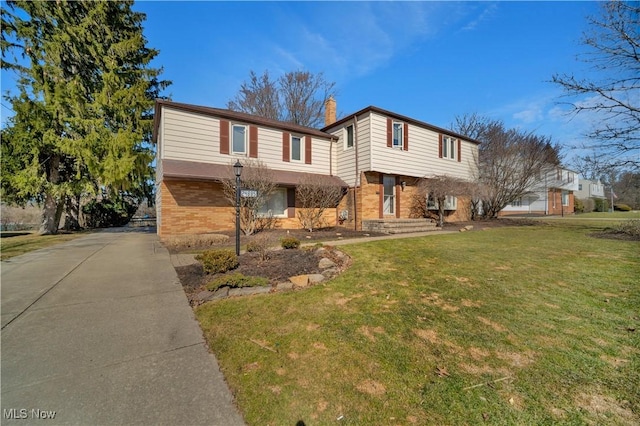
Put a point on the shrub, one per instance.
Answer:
(622, 207)
(218, 261)
(578, 205)
(290, 243)
(260, 244)
(181, 242)
(106, 213)
(601, 205)
(237, 281)
(629, 227)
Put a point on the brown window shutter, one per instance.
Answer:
(224, 137)
(440, 145)
(459, 151)
(406, 137)
(286, 141)
(389, 132)
(253, 142)
(291, 202)
(307, 149)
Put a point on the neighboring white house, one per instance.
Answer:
(378, 156)
(590, 189)
(552, 194)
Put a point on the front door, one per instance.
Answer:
(389, 202)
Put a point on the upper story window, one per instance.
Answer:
(348, 137)
(296, 148)
(579, 187)
(398, 132)
(239, 139)
(449, 147)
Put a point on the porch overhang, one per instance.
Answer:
(192, 170)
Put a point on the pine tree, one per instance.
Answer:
(83, 112)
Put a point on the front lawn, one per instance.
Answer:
(529, 325)
(17, 243)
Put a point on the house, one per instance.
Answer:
(377, 156)
(591, 194)
(551, 194)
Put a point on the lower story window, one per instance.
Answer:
(450, 203)
(276, 204)
(565, 198)
(517, 202)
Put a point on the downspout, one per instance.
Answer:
(355, 187)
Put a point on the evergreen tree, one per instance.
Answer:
(83, 111)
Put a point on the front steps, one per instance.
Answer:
(398, 226)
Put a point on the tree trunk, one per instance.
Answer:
(52, 205)
(72, 210)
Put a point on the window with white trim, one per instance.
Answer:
(565, 198)
(449, 146)
(516, 203)
(276, 205)
(398, 134)
(296, 148)
(239, 139)
(348, 138)
(450, 203)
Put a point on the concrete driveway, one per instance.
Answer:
(98, 331)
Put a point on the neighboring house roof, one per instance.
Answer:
(233, 115)
(400, 118)
(192, 170)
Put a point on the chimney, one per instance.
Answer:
(329, 111)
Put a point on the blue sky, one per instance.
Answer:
(427, 60)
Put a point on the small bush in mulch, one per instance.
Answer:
(218, 261)
(290, 243)
(237, 280)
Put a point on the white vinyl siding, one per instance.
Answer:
(421, 160)
(195, 137)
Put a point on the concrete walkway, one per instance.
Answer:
(98, 331)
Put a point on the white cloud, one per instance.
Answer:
(487, 13)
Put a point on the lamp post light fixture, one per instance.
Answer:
(237, 170)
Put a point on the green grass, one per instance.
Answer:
(634, 214)
(16, 245)
(526, 325)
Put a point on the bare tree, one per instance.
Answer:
(509, 161)
(432, 194)
(297, 97)
(259, 96)
(257, 176)
(613, 92)
(314, 197)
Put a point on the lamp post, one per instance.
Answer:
(237, 170)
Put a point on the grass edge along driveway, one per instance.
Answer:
(530, 325)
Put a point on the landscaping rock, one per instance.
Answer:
(340, 255)
(321, 251)
(300, 281)
(330, 273)
(315, 278)
(326, 263)
(204, 295)
(284, 286)
(468, 227)
(248, 291)
(220, 293)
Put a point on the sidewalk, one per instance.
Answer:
(98, 331)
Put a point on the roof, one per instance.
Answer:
(233, 115)
(400, 117)
(191, 170)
